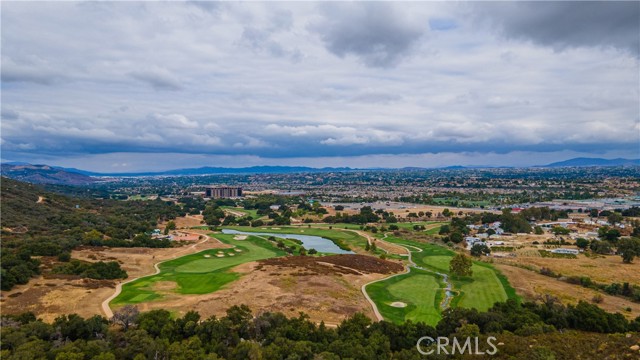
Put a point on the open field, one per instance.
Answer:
(532, 286)
(199, 273)
(602, 269)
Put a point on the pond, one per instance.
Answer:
(308, 241)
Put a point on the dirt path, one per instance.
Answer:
(40, 200)
(105, 304)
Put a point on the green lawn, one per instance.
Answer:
(420, 290)
(480, 291)
(199, 273)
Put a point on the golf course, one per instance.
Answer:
(200, 273)
(418, 294)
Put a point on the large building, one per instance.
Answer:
(221, 192)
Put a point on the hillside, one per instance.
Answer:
(585, 162)
(44, 174)
(39, 223)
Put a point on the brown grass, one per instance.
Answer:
(531, 285)
(603, 269)
(330, 296)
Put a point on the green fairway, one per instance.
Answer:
(200, 273)
(419, 290)
(479, 291)
(485, 289)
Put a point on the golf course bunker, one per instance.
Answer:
(240, 237)
(398, 304)
(207, 255)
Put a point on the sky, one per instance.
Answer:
(146, 86)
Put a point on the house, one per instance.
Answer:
(470, 240)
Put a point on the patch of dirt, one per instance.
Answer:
(531, 286)
(336, 264)
(289, 286)
(50, 298)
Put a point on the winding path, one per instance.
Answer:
(105, 304)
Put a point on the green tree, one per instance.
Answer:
(582, 243)
(614, 218)
(460, 265)
(170, 226)
(456, 237)
(479, 249)
(629, 248)
(559, 230)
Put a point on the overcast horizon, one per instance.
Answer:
(152, 86)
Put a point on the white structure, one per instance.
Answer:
(565, 251)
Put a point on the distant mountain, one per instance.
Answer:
(45, 174)
(207, 170)
(584, 162)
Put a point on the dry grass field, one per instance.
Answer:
(328, 296)
(603, 269)
(531, 286)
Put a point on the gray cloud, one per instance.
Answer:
(567, 24)
(158, 78)
(372, 31)
(27, 71)
(284, 80)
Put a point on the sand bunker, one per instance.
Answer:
(207, 255)
(231, 254)
(240, 237)
(220, 255)
(398, 304)
(237, 250)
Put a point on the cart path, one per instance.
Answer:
(105, 304)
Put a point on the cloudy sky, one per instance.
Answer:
(139, 86)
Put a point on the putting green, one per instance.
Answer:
(199, 273)
(419, 290)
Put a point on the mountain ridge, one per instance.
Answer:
(48, 174)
